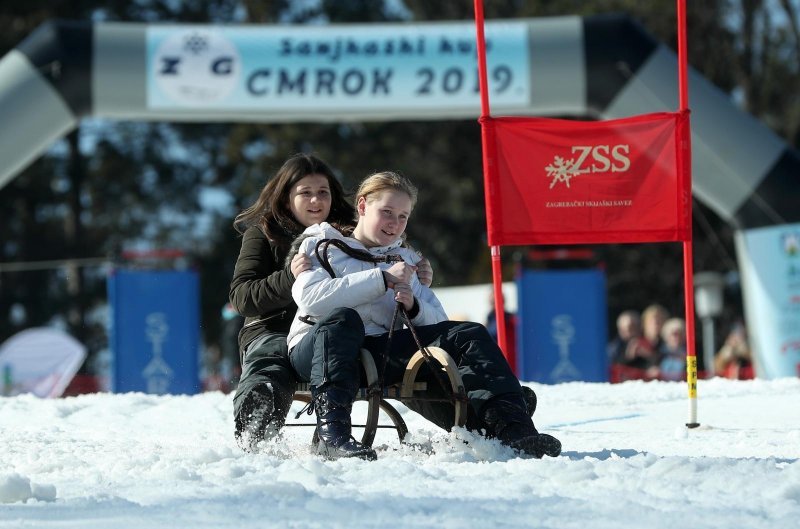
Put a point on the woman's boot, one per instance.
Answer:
(506, 418)
(333, 406)
(530, 400)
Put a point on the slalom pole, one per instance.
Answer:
(488, 165)
(691, 356)
(688, 258)
(499, 306)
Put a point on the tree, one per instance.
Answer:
(102, 187)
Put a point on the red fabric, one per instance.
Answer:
(554, 181)
(81, 384)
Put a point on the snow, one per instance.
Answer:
(146, 461)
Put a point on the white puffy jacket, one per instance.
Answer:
(358, 285)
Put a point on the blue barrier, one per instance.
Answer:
(154, 334)
(561, 328)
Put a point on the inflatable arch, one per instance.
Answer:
(595, 67)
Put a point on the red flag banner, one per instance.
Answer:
(554, 181)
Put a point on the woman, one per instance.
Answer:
(303, 192)
(672, 353)
(353, 298)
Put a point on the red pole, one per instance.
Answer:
(688, 259)
(683, 85)
(499, 308)
(481, 43)
(488, 164)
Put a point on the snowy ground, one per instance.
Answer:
(141, 461)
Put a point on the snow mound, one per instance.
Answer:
(15, 488)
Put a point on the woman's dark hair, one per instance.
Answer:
(271, 212)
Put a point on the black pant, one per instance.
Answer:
(481, 364)
(266, 361)
(329, 355)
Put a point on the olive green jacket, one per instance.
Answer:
(261, 287)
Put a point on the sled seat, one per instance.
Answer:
(409, 389)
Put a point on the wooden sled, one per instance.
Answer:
(409, 389)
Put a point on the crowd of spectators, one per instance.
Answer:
(652, 346)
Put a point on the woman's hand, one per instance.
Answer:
(399, 273)
(300, 263)
(403, 294)
(425, 272)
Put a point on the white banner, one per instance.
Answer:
(369, 66)
(770, 267)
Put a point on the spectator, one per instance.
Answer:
(734, 359)
(672, 353)
(213, 377)
(629, 326)
(630, 355)
(653, 319)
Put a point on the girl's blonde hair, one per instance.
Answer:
(377, 183)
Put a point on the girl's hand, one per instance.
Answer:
(404, 295)
(399, 273)
(300, 263)
(425, 272)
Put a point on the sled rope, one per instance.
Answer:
(355, 253)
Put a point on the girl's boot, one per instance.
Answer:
(333, 406)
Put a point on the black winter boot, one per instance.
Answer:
(530, 400)
(258, 418)
(333, 407)
(506, 419)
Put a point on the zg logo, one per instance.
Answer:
(589, 159)
(196, 67)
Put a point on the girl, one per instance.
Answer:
(355, 300)
(303, 192)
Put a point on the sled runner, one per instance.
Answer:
(408, 390)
